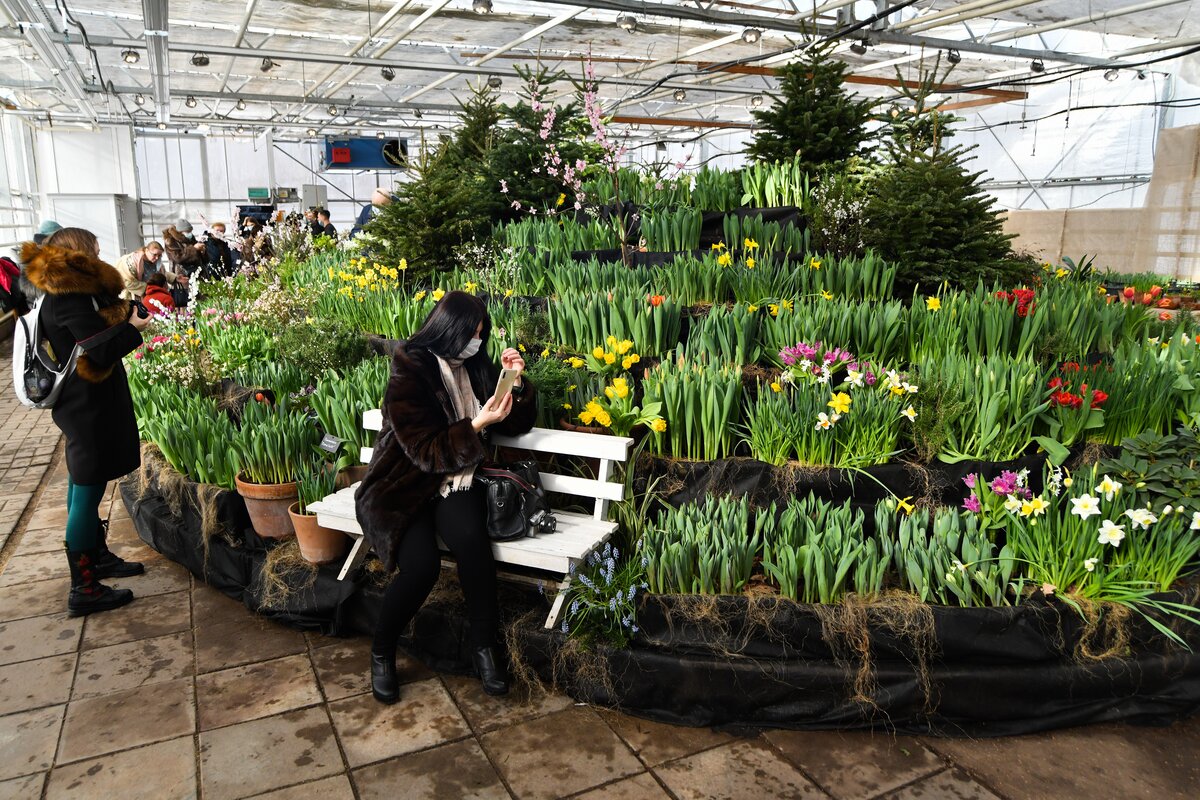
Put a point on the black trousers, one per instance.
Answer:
(460, 519)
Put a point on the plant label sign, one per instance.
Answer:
(331, 443)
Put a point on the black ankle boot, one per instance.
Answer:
(491, 672)
(88, 594)
(109, 564)
(384, 684)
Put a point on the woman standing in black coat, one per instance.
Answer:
(94, 410)
(419, 485)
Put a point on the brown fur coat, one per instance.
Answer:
(419, 446)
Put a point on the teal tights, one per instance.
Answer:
(83, 515)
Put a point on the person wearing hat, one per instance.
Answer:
(187, 256)
(47, 227)
(381, 198)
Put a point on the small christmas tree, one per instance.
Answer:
(927, 213)
(813, 116)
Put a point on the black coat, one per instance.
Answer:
(94, 410)
(419, 445)
(329, 230)
(220, 259)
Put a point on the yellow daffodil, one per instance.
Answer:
(659, 425)
(775, 387)
(577, 362)
(786, 305)
(562, 198)
(840, 403)
(905, 506)
(419, 296)
(1061, 273)
(521, 347)
(438, 294)
(750, 244)
(814, 263)
(724, 260)
(597, 353)
(611, 341)
(609, 358)
(403, 265)
(508, 292)
(826, 294)
(567, 406)
(933, 303)
(610, 392)
(751, 308)
(910, 413)
(470, 287)
(749, 263)
(774, 309)
(626, 362)
(586, 417)
(719, 246)
(546, 352)
(624, 346)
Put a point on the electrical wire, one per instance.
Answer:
(1183, 102)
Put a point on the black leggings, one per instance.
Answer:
(460, 520)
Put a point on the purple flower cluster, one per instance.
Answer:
(1010, 483)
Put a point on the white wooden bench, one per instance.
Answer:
(577, 535)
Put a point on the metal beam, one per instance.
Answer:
(1017, 33)
(35, 23)
(240, 37)
(155, 23)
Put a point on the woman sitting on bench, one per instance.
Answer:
(438, 404)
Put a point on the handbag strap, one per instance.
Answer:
(497, 472)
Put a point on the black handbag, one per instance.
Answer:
(516, 502)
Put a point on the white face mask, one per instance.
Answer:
(471, 349)
(218, 234)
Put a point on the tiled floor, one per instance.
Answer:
(187, 694)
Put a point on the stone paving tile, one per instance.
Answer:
(148, 617)
(548, 757)
(238, 642)
(459, 770)
(735, 771)
(132, 664)
(639, 787)
(22, 788)
(343, 667)
(48, 516)
(851, 765)
(656, 742)
(487, 713)
(34, 567)
(954, 784)
(211, 607)
(1119, 761)
(34, 599)
(28, 739)
(371, 731)
(38, 637)
(122, 720)
(47, 540)
(257, 690)
(264, 754)
(333, 788)
(160, 578)
(163, 771)
(34, 684)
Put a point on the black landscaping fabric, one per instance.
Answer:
(734, 661)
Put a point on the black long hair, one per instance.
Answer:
(450, 327)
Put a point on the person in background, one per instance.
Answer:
(310, 219)
(220, 259)
(137, 267)
(95, 409)
(379, 199)
(420, 483)
(327, 228)
(255, 243)
(158, 299)
(47, 227)
(188, 257)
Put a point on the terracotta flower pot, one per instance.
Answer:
(351, 475)
(318, 545)
(267, 504)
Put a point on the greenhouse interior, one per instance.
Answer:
(600, 399)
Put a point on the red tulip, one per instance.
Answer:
(1164, 316)
(1098, 398)
(1129, 292)
(1156, 291)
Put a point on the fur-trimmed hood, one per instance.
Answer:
(55, 270)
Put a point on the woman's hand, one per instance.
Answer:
(493, 411)
(139, 322)
(511, 358)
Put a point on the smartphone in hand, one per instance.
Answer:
(504, 386)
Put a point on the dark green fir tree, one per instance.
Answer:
(813, 117)
(926, 211)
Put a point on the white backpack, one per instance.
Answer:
(37, 376)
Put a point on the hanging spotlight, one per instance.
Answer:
(388, 73)
(1141, 74)
(267, 65)
(482, 6)
(680, 95)
(311, 132)
(756, 100)
(190, 102)
(953, 56)
(635, 127)
(333, 110)
(131, 56)
(1111, 75)
(162, 126)
(240, 105)
(859, 48)
(239, 129)
(417, 113)
(380, 135)
(751, 35)
(494, 82)
(140, 99)
(627, 22)
(1037, 66)
(199, 60)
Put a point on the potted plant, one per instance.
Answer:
(274, 446)
(318, 545)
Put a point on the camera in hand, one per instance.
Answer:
(140, 309)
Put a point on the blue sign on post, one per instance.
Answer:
(366, 153)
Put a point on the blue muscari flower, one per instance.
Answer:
(645, 560)
(632, 591)
(635, 628)
(612, 604)
(616, 553)
(574, 606)
(586, 581)
(565, 627)
(572, 570)
(542, 587)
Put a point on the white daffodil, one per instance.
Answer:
(1108, 487)
(855, 378)
(1141, 517)
(1012, 504)
(825, 422)
(909, 412)
(1195, 521)
(1068, 482)
(1090, 564)
(1167, 509)
(960, 566)
(911, 388)
(1110, 533)
(1086, 506)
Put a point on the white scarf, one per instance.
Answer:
(466, 406)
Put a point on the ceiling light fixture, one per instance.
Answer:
(388, 73)
(162, 126)
(635, 127)
(333, 110)
(267, 65)
(953, 56)
(131, 56)
(140, 99)
(199, 60)
(627, 22)
(1111, 75)
(240, 105)
(751, 35)
(239, 129)
(417, 113)
(1141, 74)
(859, 48)
(756, 100)
(482, 6)
(190, 102)
(1037, 66)
(311, 132)
(494, 82)
(680, 95)
(380, 135)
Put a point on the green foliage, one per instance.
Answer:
(813, 119)
(701, 405)
(315, 484)
(340, 400)
(1159, 469)
(701, 549)
(551, 377)
(600, 604)
(275, 444)
(320, 344)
